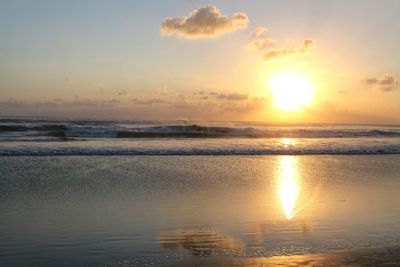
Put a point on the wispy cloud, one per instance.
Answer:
(196, 105)
(284, 53)
(260, 41)
(75, 102)
(259, 32)
(150, 101)
(385, 84)
(233, 97)
(260, 44)
(122, 93)
(205, 22)
(221, 96)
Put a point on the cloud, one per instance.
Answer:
(76, 102)
(150, 101)
(81, 102)
(204, 95)
(233, 97)
(385, 84)
(205, 22)
(259, 31)
(122, 92)
(260, 44)
(199, 93)
(304, 48)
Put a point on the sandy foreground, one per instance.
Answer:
(388, 256)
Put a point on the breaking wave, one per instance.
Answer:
(20, 130)
(107, 137)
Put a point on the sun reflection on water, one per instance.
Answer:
(288, 185)
(287, 141)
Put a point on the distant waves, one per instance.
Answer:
(66, 130)
(118, 137)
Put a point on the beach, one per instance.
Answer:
(199, 210)
(354, 258)
(189, 133)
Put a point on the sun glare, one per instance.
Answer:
(288, 185)
(291, 91)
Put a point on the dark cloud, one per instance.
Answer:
(304, 48)
(385, 84)
(205, 22)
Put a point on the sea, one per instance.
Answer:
(66, 136)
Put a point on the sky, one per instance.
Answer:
(200, 60)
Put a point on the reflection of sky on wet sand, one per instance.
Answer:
(256, 206)
(199, 242)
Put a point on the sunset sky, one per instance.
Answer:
(200, 60)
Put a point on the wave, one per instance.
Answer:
(193, 151)
(69, 132)
(196, 131)
(22, 128)
(66, 137)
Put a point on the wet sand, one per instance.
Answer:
(352, 258)
(200, 210)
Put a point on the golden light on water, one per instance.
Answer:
(291, 91)
(288, 185)
(287, 141)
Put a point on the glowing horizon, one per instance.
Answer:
(195, 61)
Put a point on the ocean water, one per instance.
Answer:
(41, 136)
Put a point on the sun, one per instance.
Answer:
(291, 91)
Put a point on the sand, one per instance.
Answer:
(381, 256)
(200, 210)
